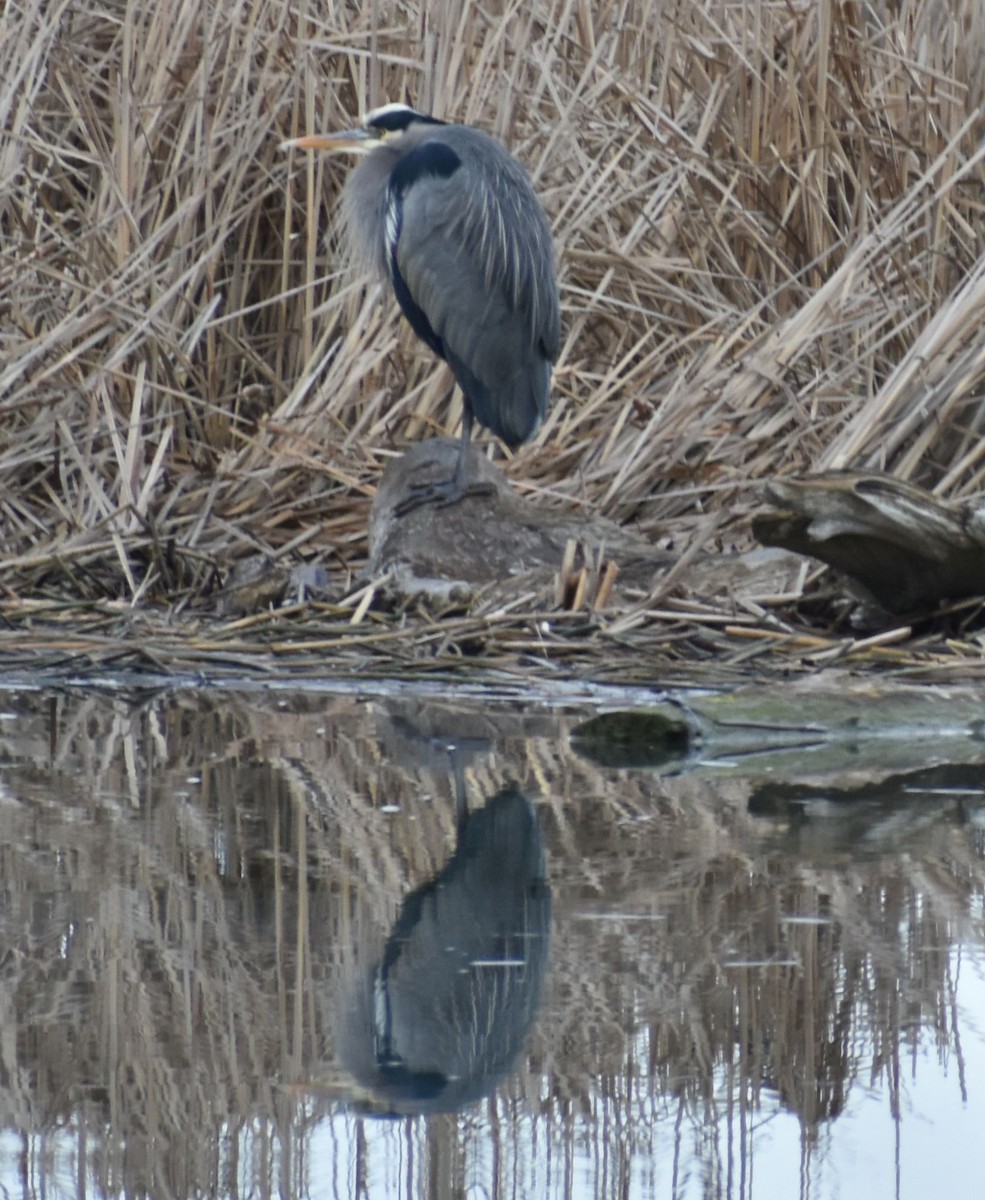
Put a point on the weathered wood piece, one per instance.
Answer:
(909, 551)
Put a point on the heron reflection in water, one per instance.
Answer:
(445, 1012)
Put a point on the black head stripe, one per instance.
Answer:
(429, 160)
(396, 120)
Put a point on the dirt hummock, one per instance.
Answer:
(490, 537)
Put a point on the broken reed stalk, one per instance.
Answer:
(767, 220)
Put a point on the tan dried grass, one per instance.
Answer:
(768, 218)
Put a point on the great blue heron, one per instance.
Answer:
(450, 218)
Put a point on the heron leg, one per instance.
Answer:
(443, 492)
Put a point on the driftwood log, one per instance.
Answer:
(908, 550)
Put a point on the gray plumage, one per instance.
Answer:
(450, 218)
(441, 1017)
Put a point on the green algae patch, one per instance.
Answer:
(633, 738)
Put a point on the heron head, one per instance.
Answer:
(388, 123)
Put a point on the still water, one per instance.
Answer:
(321, 945)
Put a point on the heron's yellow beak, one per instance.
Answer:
(356, 141)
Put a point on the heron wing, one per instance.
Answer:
(473, 268)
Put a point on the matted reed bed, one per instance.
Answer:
(769, 226)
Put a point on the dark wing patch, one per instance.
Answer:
(430, 160)
(412, 310)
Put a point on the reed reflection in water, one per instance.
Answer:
(217, 913)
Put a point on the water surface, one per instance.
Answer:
(322, 945)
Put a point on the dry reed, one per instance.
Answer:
(768, 220)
